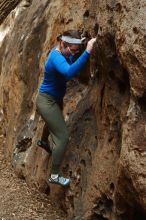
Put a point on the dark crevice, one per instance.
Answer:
(135, 30)
(96, 28)
(23, 144)
(86, 14)
(142, 102)
(47, 191)
(102, 96)
(118, 7)
(122, 81)
(83, 162)
(112, 187)
(136, 213)
(139, 214)
(103, 208)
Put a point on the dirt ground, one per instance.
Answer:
(19, 202)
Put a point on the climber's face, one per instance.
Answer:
(74, 48)
(69, 49)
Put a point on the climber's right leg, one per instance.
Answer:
(52, 115)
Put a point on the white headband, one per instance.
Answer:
(71, 40)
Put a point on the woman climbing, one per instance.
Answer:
(59, 68)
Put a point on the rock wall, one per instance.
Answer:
(106, 156)
(6, 7)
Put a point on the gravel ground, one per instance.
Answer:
(19, 202)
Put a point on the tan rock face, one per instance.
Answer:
(106, 156)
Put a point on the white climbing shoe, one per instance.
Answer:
(60, 180)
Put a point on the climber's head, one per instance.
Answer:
(70, 42)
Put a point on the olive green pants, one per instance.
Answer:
(52, 114)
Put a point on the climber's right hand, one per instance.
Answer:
(90, 45)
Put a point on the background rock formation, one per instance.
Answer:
(6, 7)
(106, 157)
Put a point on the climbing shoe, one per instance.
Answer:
(45, 146)
(60, 180)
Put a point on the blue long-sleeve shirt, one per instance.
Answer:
(58, 70)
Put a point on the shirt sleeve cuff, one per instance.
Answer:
(87, 53)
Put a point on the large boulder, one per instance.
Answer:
(106, 156)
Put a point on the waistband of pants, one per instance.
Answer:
(44, 94)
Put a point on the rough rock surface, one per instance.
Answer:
(106, 157)
(6, 6)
